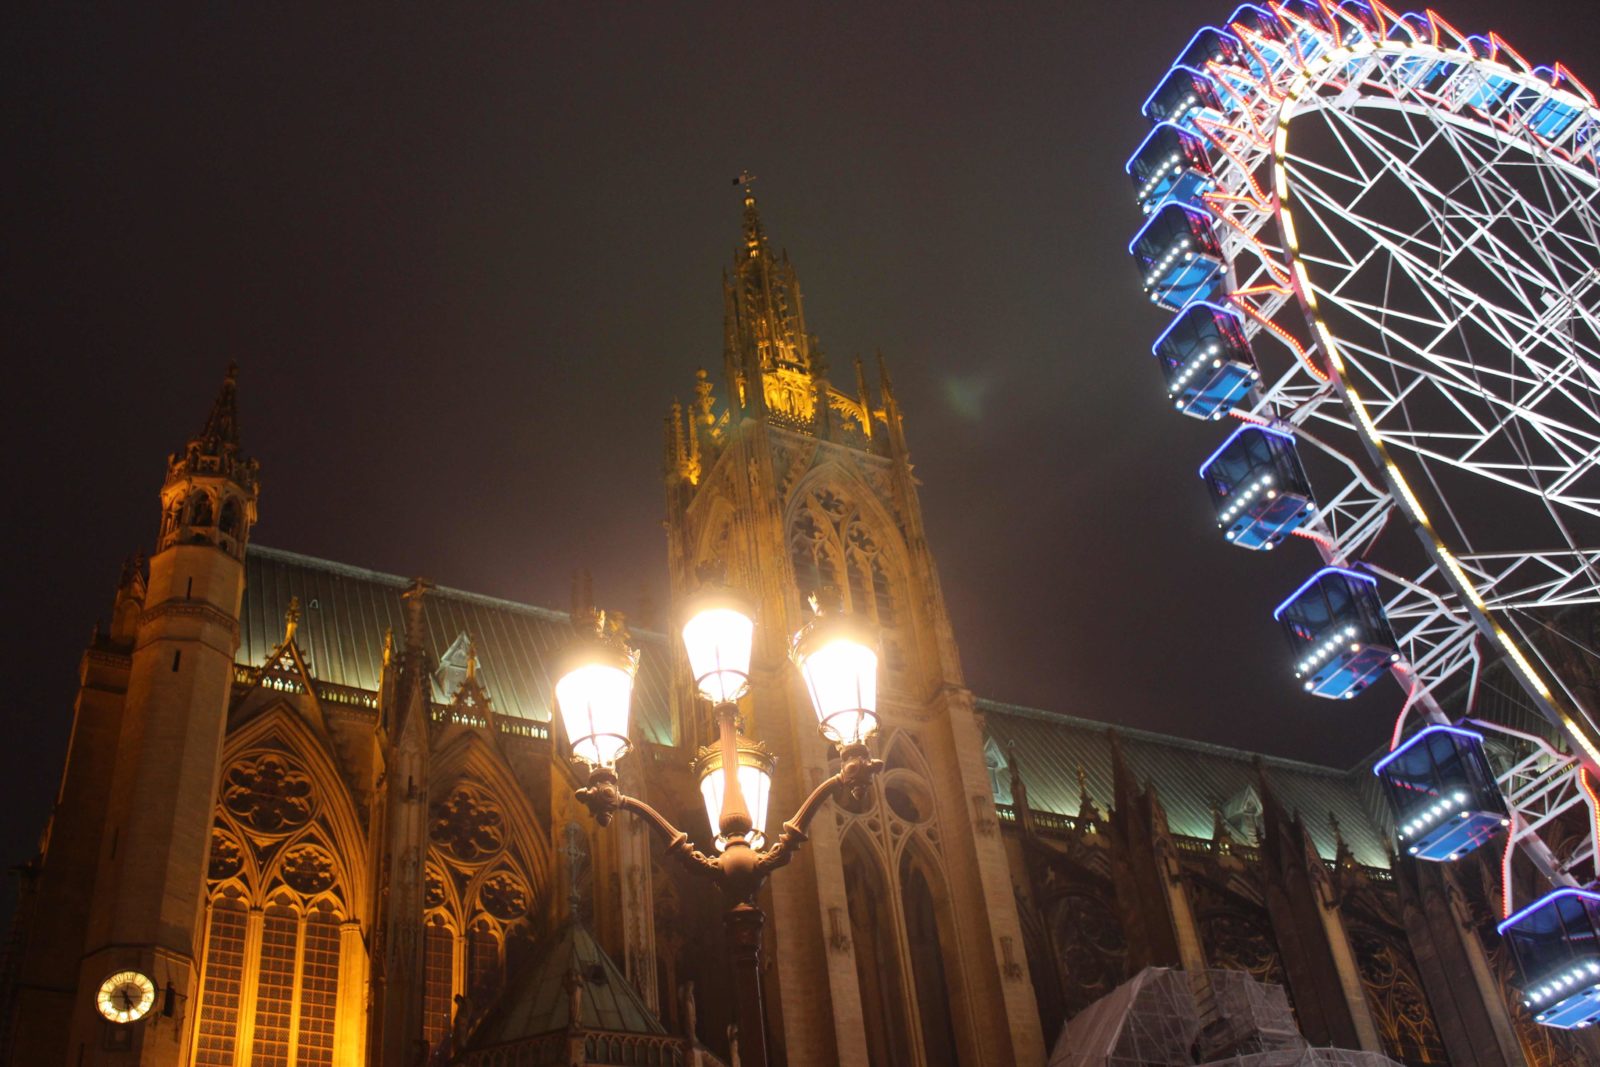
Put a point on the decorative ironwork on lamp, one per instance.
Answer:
(836, 655)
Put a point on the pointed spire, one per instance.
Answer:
(1221, 837)
(1341, 849)
(1086, 806)
(755, 235)
(704, 401)
(222, 425)
(885, 383)
(416, 627)
(677, 456)
(864, 398)
(210, 493)
(291, 620)
(1019, 791)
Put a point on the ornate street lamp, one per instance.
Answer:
(595, 691)
(836, 656)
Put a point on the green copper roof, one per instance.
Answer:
(538, 1002)
(344, 612)
(1190, 777)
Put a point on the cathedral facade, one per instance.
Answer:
(314, 815)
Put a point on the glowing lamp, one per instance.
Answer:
(718, 635)
(837, 656)
(754, 772)
(594, 694)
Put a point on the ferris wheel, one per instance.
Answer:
(1379, 239)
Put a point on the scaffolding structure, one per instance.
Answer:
(1164, 1017)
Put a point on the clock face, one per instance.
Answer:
(126, 997)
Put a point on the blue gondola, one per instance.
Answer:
(1171, 165)
(1309, 28)
(1338, 631)
(1272, 50)
(1481, 86)
(1206, 361)
(1546, 114)
(1258, 487)
(1182, 94)
(1442, 793)
(1180, 257)
(1556, 943)
(1259, 20)
(1209, 45)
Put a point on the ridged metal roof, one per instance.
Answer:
(1190, 777)
(346, 610)
(537, 1002)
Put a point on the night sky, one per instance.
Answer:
(466, 256)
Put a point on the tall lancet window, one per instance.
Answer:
(900, 919)
(838, 557)
(269, 976)
(877, 952)
(923, 942)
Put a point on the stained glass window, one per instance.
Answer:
(219, 1003)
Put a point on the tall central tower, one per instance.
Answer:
(895, 939)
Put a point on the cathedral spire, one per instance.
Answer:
(222, 425)
(211, 487)
(766, 339)
(755, 235)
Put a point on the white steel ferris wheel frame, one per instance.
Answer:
(1374, 78)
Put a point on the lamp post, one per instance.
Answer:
(836, 656)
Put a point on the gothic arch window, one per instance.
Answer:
(901, 924)
(483, 961)
(479, 893)
(198, 509)
(1394, 994)
(278, 901)
(230, 517)
(924, 938)
(438, 977)
(223, 978)
(838, 557)
(877, 955)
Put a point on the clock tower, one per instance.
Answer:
(139, 972)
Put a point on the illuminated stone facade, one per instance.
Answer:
(323, 808)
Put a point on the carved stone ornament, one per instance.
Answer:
(467, 826)
(307, 869)
(433, 895)
(268, 793)
(504, 896)
(227, 856)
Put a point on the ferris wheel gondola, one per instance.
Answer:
(1378, 238)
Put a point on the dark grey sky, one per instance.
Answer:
(467, 256)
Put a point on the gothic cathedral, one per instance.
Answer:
(317, 816)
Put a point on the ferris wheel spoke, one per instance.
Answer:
(1525, 580)
(1416, 224)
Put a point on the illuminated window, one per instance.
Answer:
(319, 988)
(438, 969)
(219, 1005)
(483, 962)
(280, 934)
